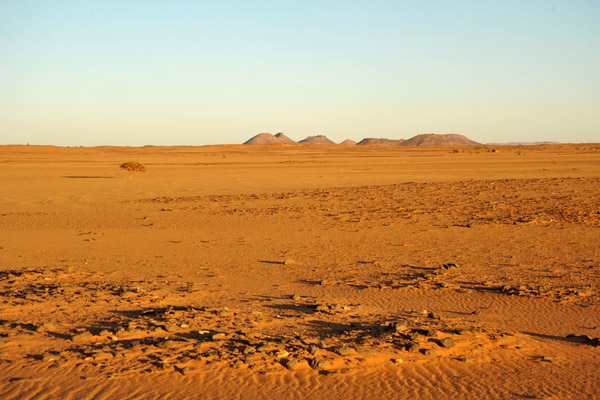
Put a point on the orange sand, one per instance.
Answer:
(294, 271)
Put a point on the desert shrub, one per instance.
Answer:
(132, 167)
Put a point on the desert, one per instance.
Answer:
(300, 271)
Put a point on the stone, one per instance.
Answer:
(81, 336)
(312, 349)
(318, 364)
(400, 326)
(218, 336)
(343, 351)
(447, 343)
(429, 352)
(291, 364)
(448, 266)
(412, 346)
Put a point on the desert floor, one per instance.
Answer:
(246, 272)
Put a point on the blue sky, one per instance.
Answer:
(208, 72)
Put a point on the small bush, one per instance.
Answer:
(132, 167)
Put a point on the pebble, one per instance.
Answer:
(218, 336)
(447, 343)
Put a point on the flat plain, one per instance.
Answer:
(300, 271)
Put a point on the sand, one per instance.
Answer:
(294, 271)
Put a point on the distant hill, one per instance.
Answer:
(319, 139)
(426, 139)
(380, 142)
(433, 139)
(284, 139)
(267, 138)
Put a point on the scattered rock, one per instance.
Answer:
(291, 364)
(319, 364)
(412, 346)
(429, 352)
(81, 336)
(447, 343)
(343, 351)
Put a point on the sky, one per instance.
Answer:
(87, 73)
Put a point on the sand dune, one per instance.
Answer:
(300, 272)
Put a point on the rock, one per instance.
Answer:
(281, 354)
(397, 361)
(412, 346)
(430, 333)
(447, 343)
(313, 349)
(296, 297)
(218, 336)
(343, 351)
(400, 326)
(184, 370)
(170, 327)
(433, 316)
(48, 326)
(2, 344)
(289, 261)
(81, 336)
(363, 350)
(318, 364)
(291, 364)
(429, 352)
(448, 266)
(248, 349)
(168, 344)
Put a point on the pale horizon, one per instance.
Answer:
(185, 73)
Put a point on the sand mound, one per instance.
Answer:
(348, 142)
